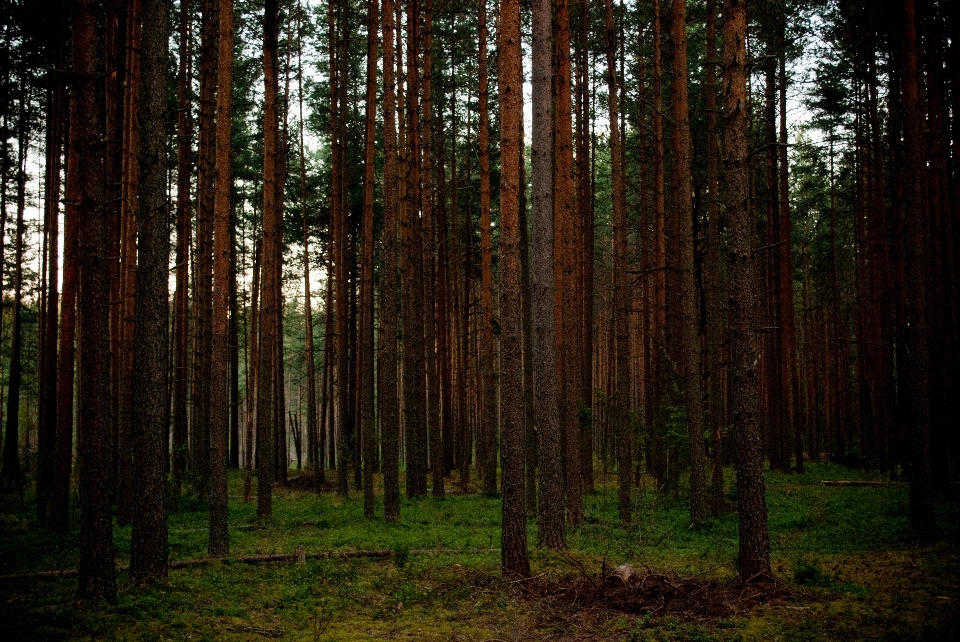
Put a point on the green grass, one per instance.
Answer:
(854, 570)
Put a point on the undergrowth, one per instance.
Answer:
(850, 566)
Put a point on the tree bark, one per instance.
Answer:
(916, 237)
(621, 288)
(754, 538)
(97, 579)
(181, 319)
(219, 542)
(390, 419)
(270, 307)
(367, 416)
(513, 556)
(148, 550)
(550, 516)
(683, 212)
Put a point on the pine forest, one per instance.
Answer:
(516, 319)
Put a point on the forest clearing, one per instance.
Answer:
(845, 562)
(525, 319)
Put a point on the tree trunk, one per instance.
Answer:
(148, 550)
(621, 287)
(219, 542)
(181, 312)
(754, 538)
(270, 307)
(390, 419)
(513, 556)
(683, 206)
(97, 579)
(203, 262)
(367, 416)
(428, 226)
(916, 240)
(550, 517)
(567, 293)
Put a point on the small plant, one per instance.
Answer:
(810, 573)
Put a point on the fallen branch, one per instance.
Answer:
(253, 559)
(862, 483)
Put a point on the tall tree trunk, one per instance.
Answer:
(754, 538)
(47, 402)
(123, 442)
(712, 273)
(414, 379)
(683, 206)
(428, 197)
(621, 287)
(181, 312)
(269, 311)
(148, 550)
(916, 243)
(97, 578)
(66, 365)
(390, 419)
(567, 293)
(513, 556)
(12, 471)
(488, 421)
(313, 437)
(659, 369)
(550, 517)
(367, 417)
(219, 543)
(206, 174)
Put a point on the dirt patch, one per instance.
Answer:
(653, 593)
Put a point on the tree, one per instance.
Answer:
(622, 297)
(488, 421)
(269, 312)
(514, 559)
(97, 579)
(754, 539)
(550, 513)
(148, 553)
(390, 419)
(367, 416)
(219, 541)
(683, 204)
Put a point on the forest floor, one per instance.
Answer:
(846, 565)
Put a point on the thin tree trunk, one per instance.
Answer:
(683, 212)
(367, 416)
(390, 419)
(181, 311)
(488, 420)
(206, 174)
(621, 287)
(712, 275)
(428, 225)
